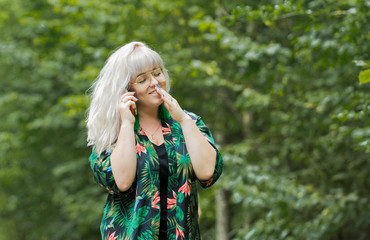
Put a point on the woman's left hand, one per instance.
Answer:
(172, 105)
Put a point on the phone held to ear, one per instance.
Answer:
(133, 110)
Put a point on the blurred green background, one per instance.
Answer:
(277, 81)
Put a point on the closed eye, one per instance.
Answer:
(157, 73)
(142, 81)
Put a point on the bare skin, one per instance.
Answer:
(202, 154)
(123, 158)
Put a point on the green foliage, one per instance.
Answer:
(299, 169)
(364, 76)
(276, 81)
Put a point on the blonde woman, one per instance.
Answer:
(147, 152)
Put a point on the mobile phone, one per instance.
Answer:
(133, 110)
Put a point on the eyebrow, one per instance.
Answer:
(146, 72)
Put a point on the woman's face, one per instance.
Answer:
(144, 86)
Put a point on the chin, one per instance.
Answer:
(157, 100)
(157, 104)
(154, 103)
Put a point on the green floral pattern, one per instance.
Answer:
(135, 213)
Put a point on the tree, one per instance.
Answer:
(288, 68)
(275, 81)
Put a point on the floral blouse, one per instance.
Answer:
(135, 213)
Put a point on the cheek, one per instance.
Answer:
(134, 89)
(139, 95)
(163, 85)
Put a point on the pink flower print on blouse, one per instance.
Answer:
(156, 200)
(179, 233)
(171, 202)
(140, 148)
(185, 189)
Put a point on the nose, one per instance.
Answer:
(153, 80)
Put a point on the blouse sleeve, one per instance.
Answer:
(102, 170)
(219, 163)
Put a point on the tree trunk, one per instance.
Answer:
(222, 215)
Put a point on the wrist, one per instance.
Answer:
(185, 118)
(127, 123)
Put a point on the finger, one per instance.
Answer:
(166, 106)
(165, 95)
(161, 91)
(133, 108)
(127, 94)
(128, 98)
(129, 105)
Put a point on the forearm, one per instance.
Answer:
(201, 152)
(123, 158)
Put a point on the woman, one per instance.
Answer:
(148, 152)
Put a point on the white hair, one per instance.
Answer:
(103, 121)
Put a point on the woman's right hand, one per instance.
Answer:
(127, 100)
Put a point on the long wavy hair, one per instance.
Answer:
(103, 121)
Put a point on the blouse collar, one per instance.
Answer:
(163, 114)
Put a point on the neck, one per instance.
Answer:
(148, 116)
